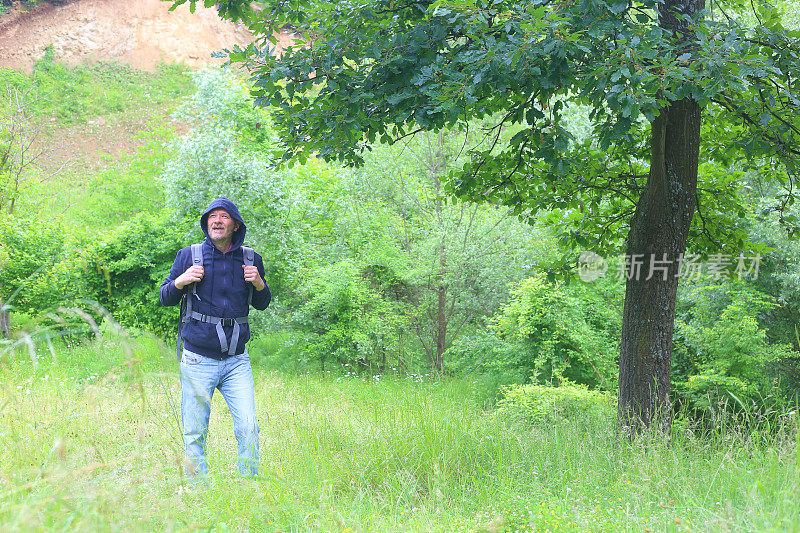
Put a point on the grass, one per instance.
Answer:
(123, 185)
(75, 94)
(111, 124)
(92, 443)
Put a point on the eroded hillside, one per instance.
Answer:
(141, 33)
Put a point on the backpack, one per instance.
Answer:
(187, 313)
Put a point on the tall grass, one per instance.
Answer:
(75, 94)
(93, 442)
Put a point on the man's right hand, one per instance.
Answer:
(193, 274)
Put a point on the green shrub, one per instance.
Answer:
(722, 359)
(549, 333)
(21, 323)
(34, 268)
(711, 391)
(124, 270)
(541, 406)
(346, 321)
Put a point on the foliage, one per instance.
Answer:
(126, 187)
(456, 258)
(44, 269)
(778, 275)
(765, 328)
(392, 215)
(722, 357)
(46, 253)
(348, 321)
(542, 406)
(124, 269)
(74, 94)
(20, 157)
(383, 70)
(711, 391)
(34, 269)
(548, 334)
(100, 190)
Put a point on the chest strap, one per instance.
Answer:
(220, 322)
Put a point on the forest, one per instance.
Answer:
(453, 257)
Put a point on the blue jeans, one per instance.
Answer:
(233, 377)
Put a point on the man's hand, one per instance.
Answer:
(193, 274)
(251, 275)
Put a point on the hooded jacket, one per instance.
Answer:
(222, 292)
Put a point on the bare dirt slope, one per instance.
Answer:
(141, 33)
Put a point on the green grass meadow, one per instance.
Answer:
(89, 441)
(90, 437)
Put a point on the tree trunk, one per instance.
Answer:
(656, 244)
(5, 322)
(436, 162)
(441, 314)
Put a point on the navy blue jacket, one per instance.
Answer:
(222, 292)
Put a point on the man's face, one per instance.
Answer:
(221, 225)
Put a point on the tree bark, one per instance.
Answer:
(441, 308)
(436, 161)
(5, 322)
(656, 244)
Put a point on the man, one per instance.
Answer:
(215, 333)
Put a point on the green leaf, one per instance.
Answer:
(619, 6)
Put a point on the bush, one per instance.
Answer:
(123, 272)
(34, 270)
(541, 406)
(346, 321)
(722, 359)
(711, 391)
(547, 334)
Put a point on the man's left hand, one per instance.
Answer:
(251, 275)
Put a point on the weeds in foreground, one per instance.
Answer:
(89, 445)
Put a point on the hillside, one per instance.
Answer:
(141, 33)
(107, 90)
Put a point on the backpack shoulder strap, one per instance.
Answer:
(197, 260)
(197, 254)
(249, 257)
(186, 301)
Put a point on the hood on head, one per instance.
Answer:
(238, 235)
